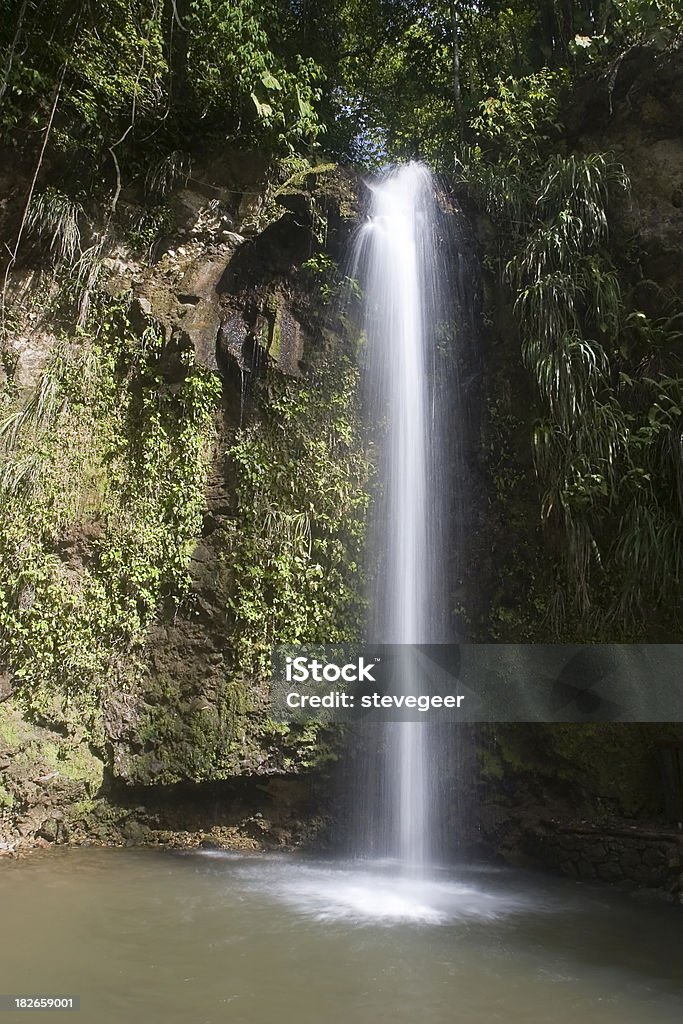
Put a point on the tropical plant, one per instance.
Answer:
(55, 218)
(607, 448)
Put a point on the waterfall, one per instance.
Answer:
(397, 261)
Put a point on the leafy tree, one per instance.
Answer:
(120, 82)
(240, 81)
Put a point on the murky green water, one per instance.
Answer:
(147, 937)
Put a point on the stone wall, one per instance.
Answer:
(593, 801)
(640, 857)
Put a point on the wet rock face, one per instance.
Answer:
(261, 332)
(179, 291)
(226, 281)
(48, 782)
(266, 308)
(5, 685)
(235, 293)
(589, 800)
(629, 855)
(243, 303)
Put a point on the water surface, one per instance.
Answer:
(164, 938)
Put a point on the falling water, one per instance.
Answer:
(397, 261)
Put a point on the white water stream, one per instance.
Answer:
(398, 262)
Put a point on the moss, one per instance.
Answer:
(83, 808)
(284, 568)
(95, 552)
(71, 761)
(10, 734)
(491, 764)
(79, 764)
(185, 737)
(48, 770)
(615, 762)
(600, 768)
(309, 746)
(275, 336)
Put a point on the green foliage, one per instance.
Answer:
(332, 286)
(288, 178)
(606, 450)
(55, 218)
(107, 58)
(302, 500)
(522, 112)
(109, 449)
(286, 569)
(124, 89)
(654, 23)
(147, 226)
(171, 170)
(649, 21)
(237, 74)
(137, 81)
(137, 88)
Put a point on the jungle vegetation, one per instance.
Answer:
(123, 88)
(98, 96)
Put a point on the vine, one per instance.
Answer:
(113, 449)
(302, 500)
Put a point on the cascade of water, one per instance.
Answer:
(398, 264)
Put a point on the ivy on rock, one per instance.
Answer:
(103, 485)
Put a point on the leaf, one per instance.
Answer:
(264, 110)
(305, 108)
(270, 81)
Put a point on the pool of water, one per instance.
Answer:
(153, 937)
